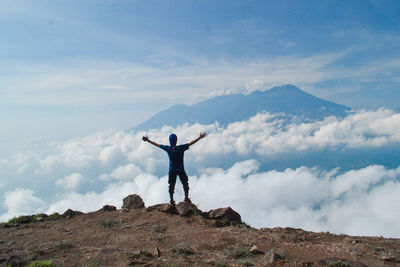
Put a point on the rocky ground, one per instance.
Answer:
(185, 236)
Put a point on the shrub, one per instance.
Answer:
(47, 263)
(238, 253)
(107, 223)
(15, 220)
(54, 216)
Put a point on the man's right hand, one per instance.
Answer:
(145, 138)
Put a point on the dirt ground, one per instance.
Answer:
(154, 238)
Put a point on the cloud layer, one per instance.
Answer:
(87, 173)
(358, 202)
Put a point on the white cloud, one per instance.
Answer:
(305, 197)
(264, 134)
(125, 172)
(21, 202)
(71, 181)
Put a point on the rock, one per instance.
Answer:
(224, 214)
(15, 261)
(108, 251)
(273, 256)
(132, 202)
(156, 253)
(165, 207)
(254, 250)
(40, 217)
(388, 258)
(71, 213)
(187, 209)
(26, 219)
(183, 249)
(108, 208)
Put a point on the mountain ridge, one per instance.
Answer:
(226, 109)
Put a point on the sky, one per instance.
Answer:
(75, 75)
(69, 68)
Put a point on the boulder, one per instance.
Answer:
(188, 209)
(132, 202)
(224, 214)
(71, 213)
(26, 219)
(254, 250)
(108, 208)
(165, 207)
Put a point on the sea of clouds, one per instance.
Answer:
(230, 167)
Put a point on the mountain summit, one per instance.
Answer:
(226, 109)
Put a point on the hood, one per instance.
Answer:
(173, 139)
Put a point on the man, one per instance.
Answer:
(176, 168)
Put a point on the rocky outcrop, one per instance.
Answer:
(108, 208)
(132, 202)
(165, 207)
(187, 209)
(71, 213)
(227, 214)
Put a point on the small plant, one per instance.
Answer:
(14, 220)
(47, 263)
(225, 221)
(238, 253)
(92, 264)
(140, 254)
(107, 223)
(40, 216)
(63, 245)
(168, 264)
(221, 264)
(245, 263)
(54, 216)
(182, 249)
(160, 229)
(338, 263)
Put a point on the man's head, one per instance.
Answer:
(173, 139)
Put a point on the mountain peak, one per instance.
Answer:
(288, 99)
(286, 89)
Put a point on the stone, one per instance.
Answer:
(132, 202)
(224, 213)
(40, 217)
(71, 213)
(156, 253)
(165, 207)
(26, 219)
(187, 209)
(106, 208)
(273, 256)
(254, 250)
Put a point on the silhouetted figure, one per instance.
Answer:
(176, 168)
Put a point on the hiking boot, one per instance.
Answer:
(187, 200)
(172, 202)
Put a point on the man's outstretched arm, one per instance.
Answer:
(202, 135)
(146, 139)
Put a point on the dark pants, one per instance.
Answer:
(172, 180)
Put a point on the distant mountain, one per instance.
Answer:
(225, 109)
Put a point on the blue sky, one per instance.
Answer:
(70, 68)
